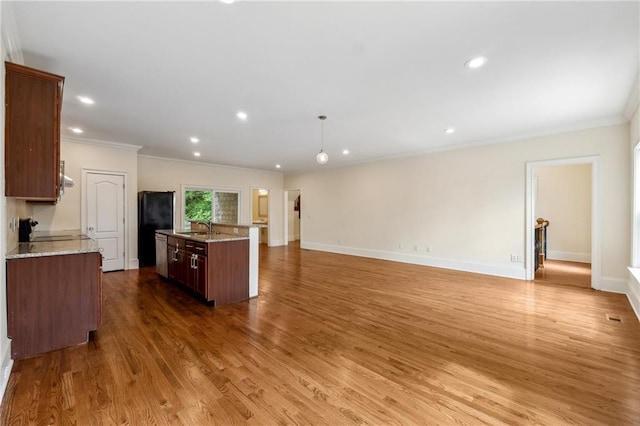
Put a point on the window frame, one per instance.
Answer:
(213, 189)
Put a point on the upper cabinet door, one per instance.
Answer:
(33, 102)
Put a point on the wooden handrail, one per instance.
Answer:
(541, 229)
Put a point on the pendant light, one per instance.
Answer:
(322, 156)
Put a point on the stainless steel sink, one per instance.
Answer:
(194, 234)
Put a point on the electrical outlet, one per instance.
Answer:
(415, 248)
(400, 245)
(235, 230)
(428, 249)
(339, 242)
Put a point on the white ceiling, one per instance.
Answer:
(389, 75)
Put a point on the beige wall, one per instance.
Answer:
(67, 213)
(175, 174)
(563, 197)
(467, 206)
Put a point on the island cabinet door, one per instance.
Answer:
(178, 263)
(228, 278)
(199, 275)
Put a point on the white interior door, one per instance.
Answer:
(105, 217)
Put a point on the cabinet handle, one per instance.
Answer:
(200, 248)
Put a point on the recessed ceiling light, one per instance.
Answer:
(76, 129)
(194, 139)
(345, 152)
(278, 166)
(196, 154)
(449, 130)
(86, 100)
(227, 1)
(241, 115)
(476, 62)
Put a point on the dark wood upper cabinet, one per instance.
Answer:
(33, 102)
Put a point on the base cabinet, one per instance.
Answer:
(53, 302)
(217, 272)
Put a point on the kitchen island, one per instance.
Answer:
(54, 294)
(215, 263)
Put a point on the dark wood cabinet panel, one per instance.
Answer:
(52, 301)
(33, 101)
(228, 278)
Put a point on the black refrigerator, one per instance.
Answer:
(156, 210)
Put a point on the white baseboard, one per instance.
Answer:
(634, 297)
(134, 264)
(517, 272)
(633, 290)
(569, 256)
(276, 243)
(613, 285)
(5, 369)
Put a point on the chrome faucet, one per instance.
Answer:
(209, 225)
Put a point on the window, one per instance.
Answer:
(209, 204)
(197, 206)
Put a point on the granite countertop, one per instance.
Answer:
(201, 236)
(232, 225)
(54, 248)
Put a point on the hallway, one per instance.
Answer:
(563, 272)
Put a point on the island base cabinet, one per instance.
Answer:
(217, 272)
(53, 302)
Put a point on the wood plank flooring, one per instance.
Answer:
(335, 340)
(562, 272)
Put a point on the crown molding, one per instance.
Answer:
(576, 127)
(10, 37)
(106, 144)
(205, 164)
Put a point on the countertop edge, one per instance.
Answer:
(59, 248)
(217, 238)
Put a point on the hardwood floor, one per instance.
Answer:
(565, 273)
(335, 340)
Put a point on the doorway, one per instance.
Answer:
(293, 217)
(260, 212)
(104, 215)
(564, 192)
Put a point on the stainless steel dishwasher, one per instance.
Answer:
(162, 267)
